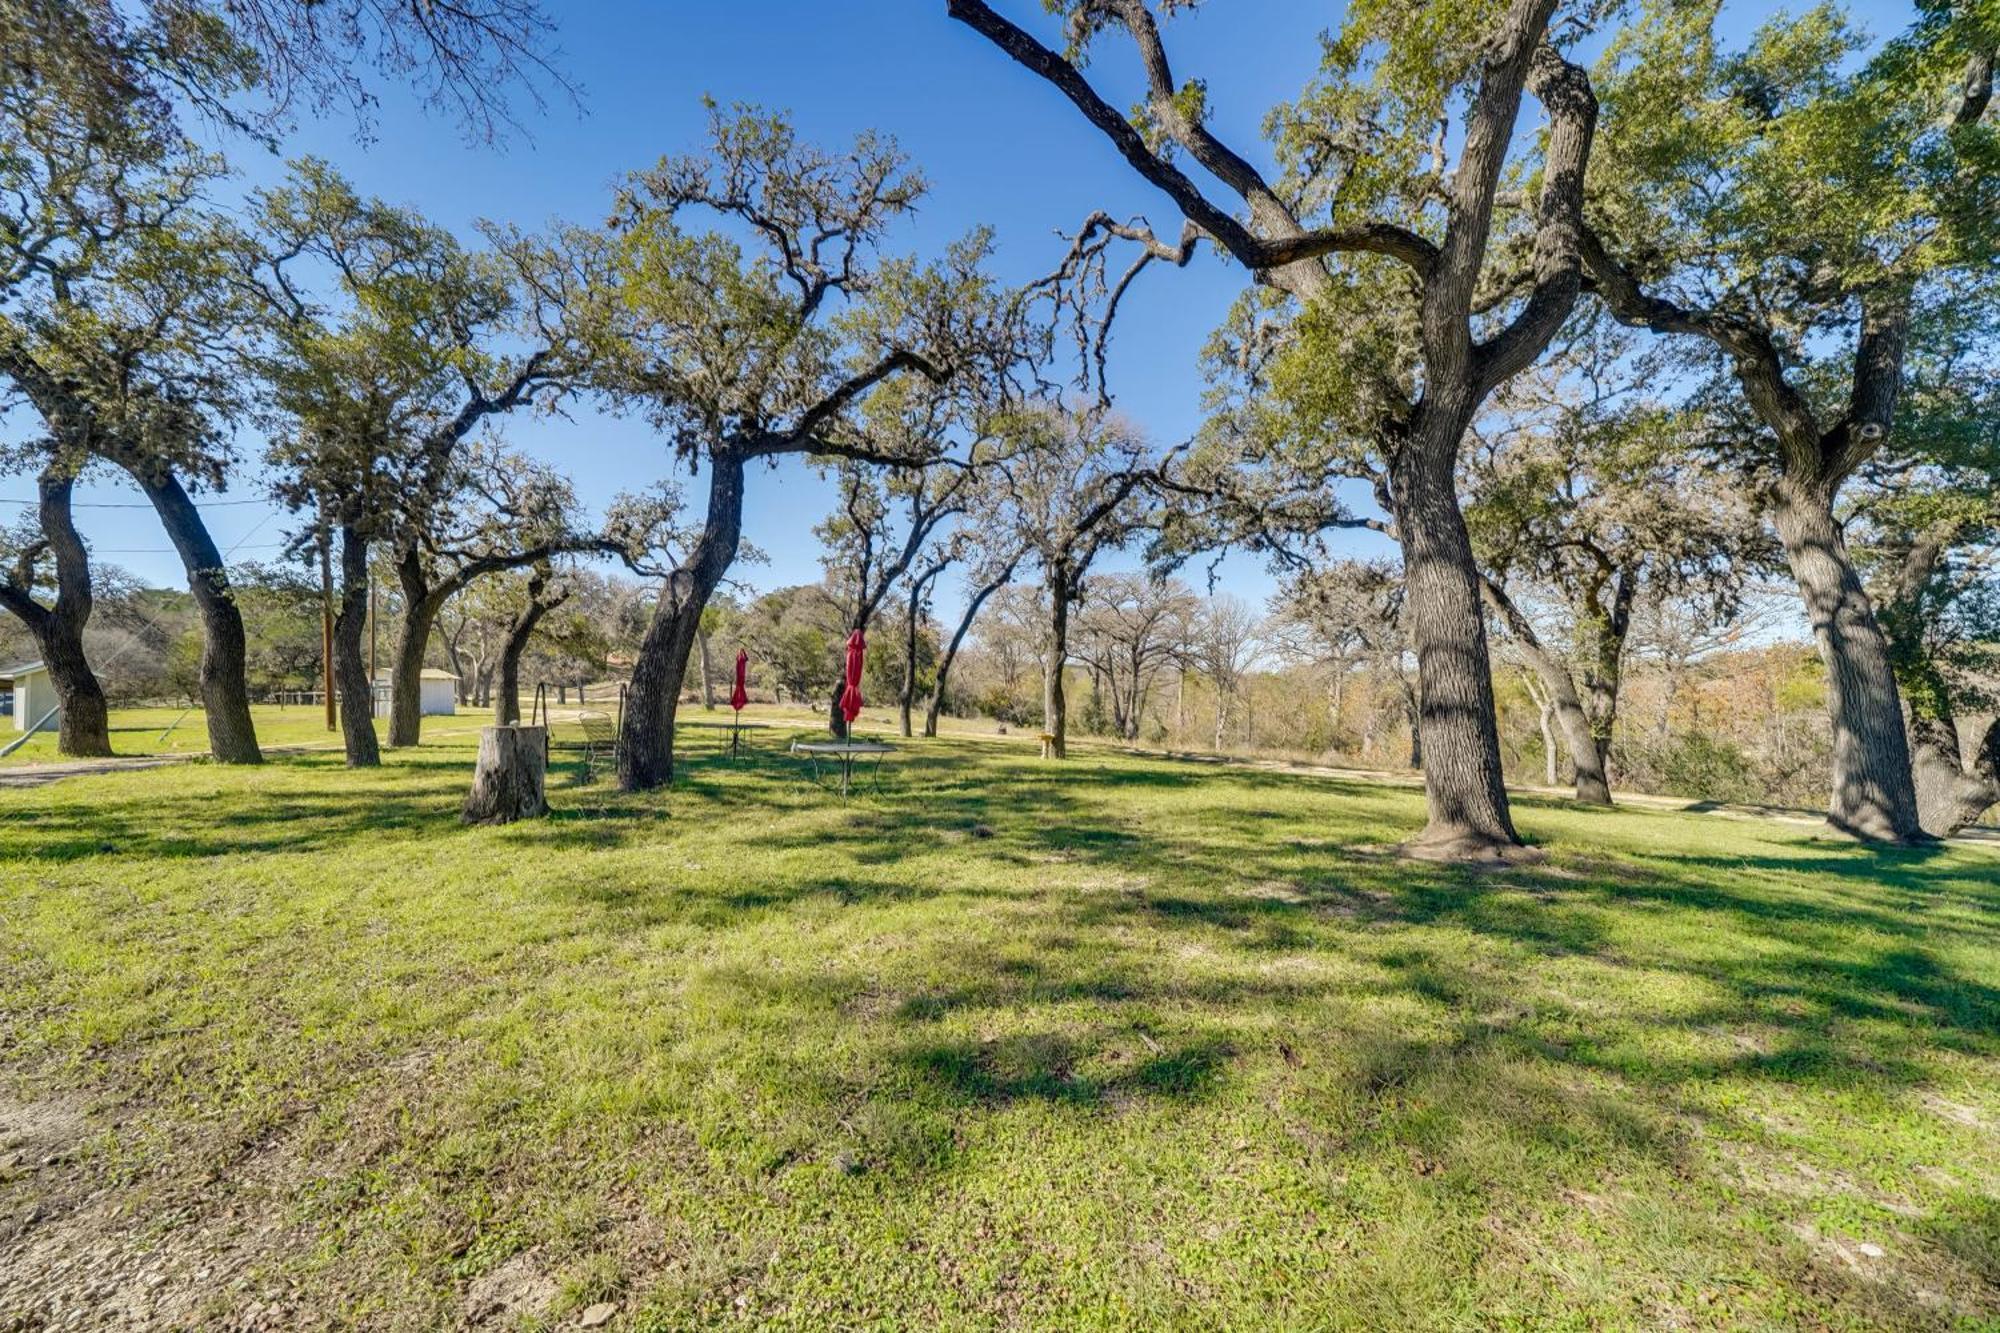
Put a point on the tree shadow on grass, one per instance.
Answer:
(1198, 854)
(1911, 868)
(1204, 864)
(1185, 875)
(1046, 1067)
(186, 825)
(1798, 1003)
(1969, 1227)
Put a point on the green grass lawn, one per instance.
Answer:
(1117, 1043)
(141, 732)
(152, 731)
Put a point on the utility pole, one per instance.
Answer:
(326, 621)
(373, 669)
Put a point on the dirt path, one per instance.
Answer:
(38, 775)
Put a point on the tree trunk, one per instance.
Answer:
(1055, 705)
(957, 639)
(1413, 719)
(1954, 788)
(1124, 699)
(507, 703)
(1874, 792)
(1545, 710)
(1135, 704)
(835, 723)
(406, 677)
(421, 605)
(225, 686)
(1949, 797)
(83, 724)
(1460, 740)
(509, 780)
(1549, 774)
(909, 691)
(1586, 753)
(707, 674)
(1950, 793)
(646, 741)
(461, 688)
(350, 667)
(1605, 677)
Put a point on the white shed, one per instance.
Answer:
(34, 695)
(437, 691)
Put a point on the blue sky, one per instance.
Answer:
(998, 146)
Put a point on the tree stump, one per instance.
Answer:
(507, 784)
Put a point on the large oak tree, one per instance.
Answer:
(1366, 182)
(389, 344)
(1793, 212)
(117, 326)
(764, 337)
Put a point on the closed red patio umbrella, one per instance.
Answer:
(737, 698)
(850, 699)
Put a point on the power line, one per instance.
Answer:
(168, 550)
(85, 504)
(134, 639)
(261, 546)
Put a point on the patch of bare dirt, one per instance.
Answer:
(1959, 1113)
(1275, 890)
(80, 1248)
(515, 1291)
(1113, 883)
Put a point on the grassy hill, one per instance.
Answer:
(1115, 1043)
